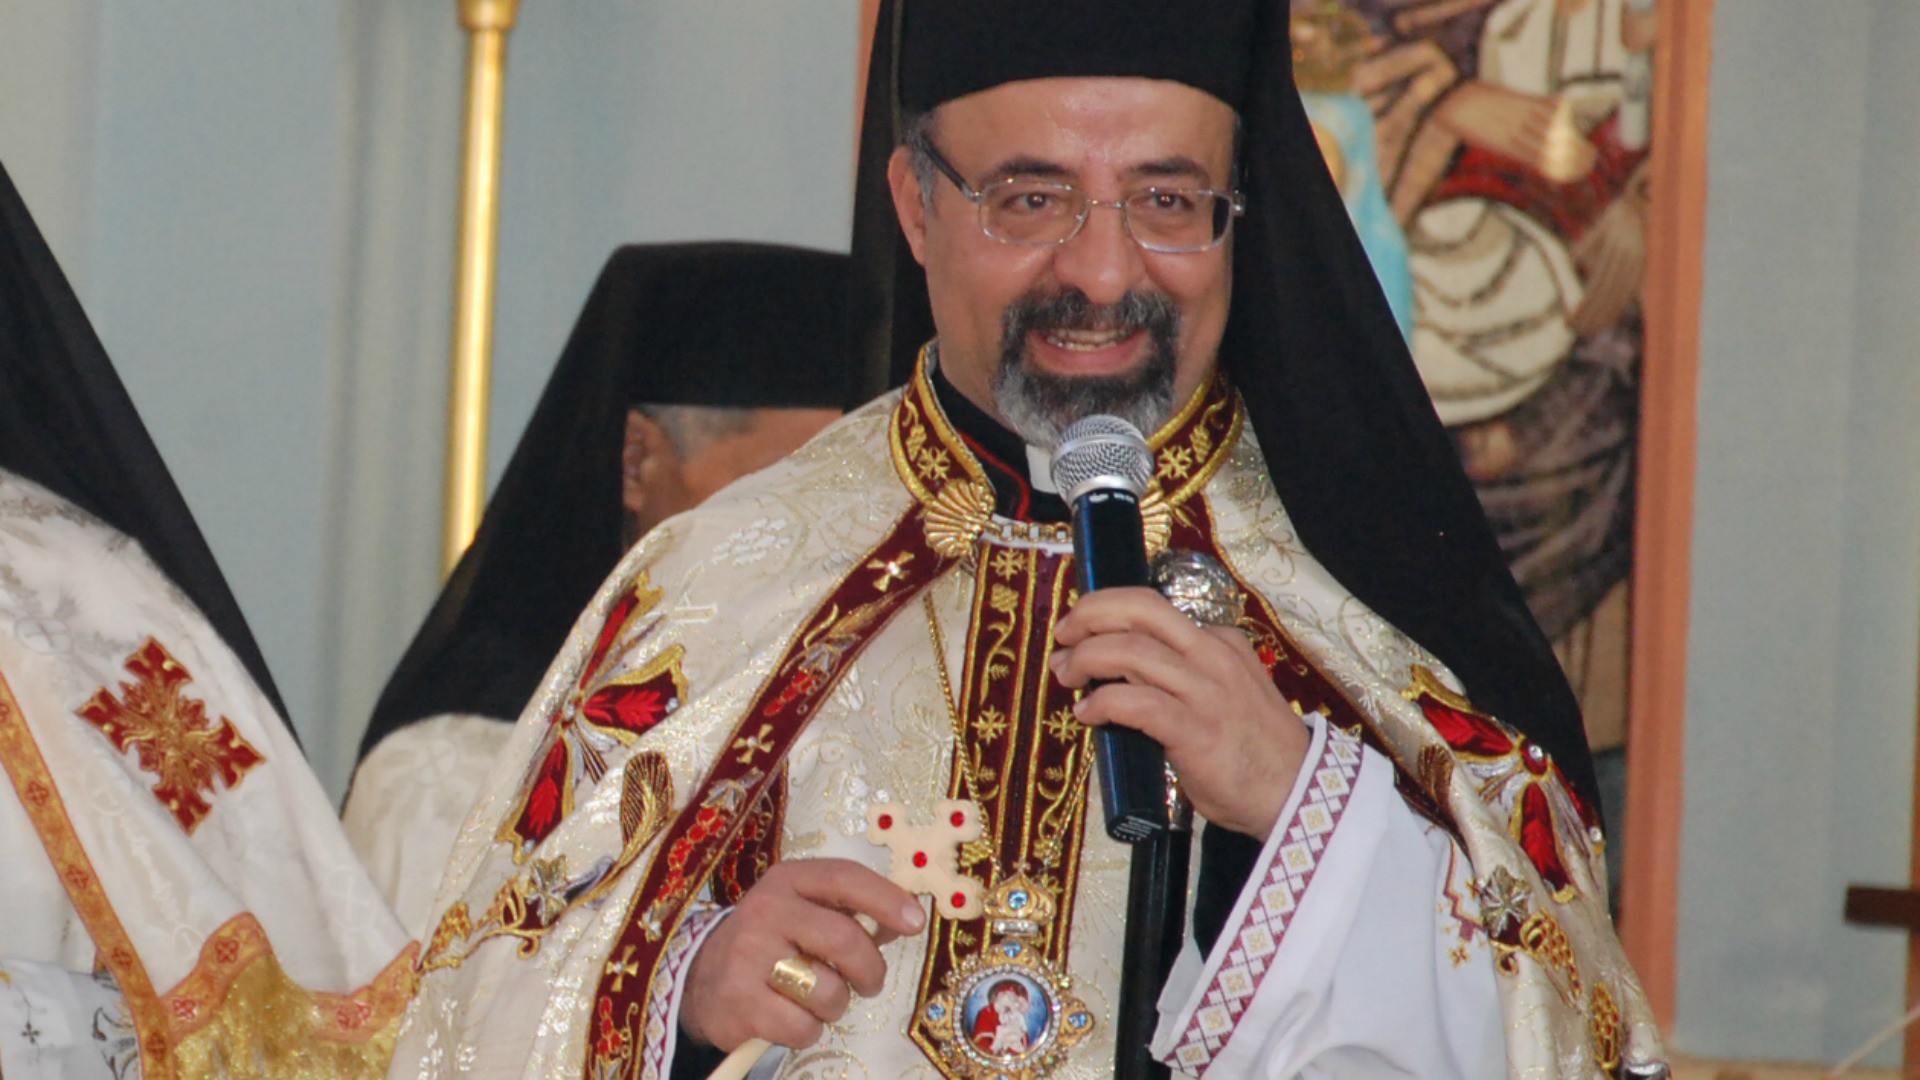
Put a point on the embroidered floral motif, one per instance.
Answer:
(1503, 904)
(753, 542)
(1515, 929)
(1514, 774)
(608, 709)
(170, 735)
(532, 903)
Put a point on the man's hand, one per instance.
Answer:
(1198, 691)
(804, 907)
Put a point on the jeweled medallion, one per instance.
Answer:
(1006, 1014)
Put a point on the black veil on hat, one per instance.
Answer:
(1352, 442)
(725, 324)
(67, 424)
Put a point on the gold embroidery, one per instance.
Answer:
(990, 723)
(892, 570)
(1504, 900)
(1189, 450)
(1156, 522)
(455, 926)
(531, 904)
(933, 464)
(1435, 772)
(1427, 684)
(956, 517)
(239, 1014)
(1035, 819)
(752, 746)
(1546, 942)
(33, 782)
(646, 800)
(1604, 1029)
(171, 735)
(1003, 600)
(622, 969)
(600, 713)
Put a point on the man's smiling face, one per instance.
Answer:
(1040, 335)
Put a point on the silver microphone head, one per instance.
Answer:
(1101, 453)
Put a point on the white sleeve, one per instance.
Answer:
(408, 800)
(57, 1024)
(1353, 950)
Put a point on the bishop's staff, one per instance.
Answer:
(487, 23)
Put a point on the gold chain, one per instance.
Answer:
(1048, 849)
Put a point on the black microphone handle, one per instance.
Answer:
(1110, 551)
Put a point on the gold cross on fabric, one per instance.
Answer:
(623, 969)
(749, 746)
(890, 571)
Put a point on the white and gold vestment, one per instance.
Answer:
(756, 674)
(179, 899)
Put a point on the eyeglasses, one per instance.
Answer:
(1040, 213)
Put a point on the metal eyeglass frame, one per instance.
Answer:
(978, 198)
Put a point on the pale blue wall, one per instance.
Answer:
(210, 278)
(1806, 557)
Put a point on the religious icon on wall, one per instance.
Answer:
(1493, 154)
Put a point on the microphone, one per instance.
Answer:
(1102, 467)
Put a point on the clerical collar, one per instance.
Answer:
(1021, 488)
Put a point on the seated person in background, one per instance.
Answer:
(691, 365)
(178, 898)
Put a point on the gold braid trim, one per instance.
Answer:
(33, 781)
(239, 1015)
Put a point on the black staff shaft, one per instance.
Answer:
(1156, 926)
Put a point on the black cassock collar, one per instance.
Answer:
(1005, 456)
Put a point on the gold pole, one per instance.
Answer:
(487, 23)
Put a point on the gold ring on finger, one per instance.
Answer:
(794, 979)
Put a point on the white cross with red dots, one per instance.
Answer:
(926, 858)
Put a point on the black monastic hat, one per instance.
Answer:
(725, 324)
(1352, 442)
(67, 424)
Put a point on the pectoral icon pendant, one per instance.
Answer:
(1007, 1013)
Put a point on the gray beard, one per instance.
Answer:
(1039, 406)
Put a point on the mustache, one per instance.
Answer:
(1070, 309)
(1040, 405)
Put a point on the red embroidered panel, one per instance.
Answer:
(1514, 773)
(606, 709)
(170, 735)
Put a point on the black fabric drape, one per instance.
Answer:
(731, 324)
(67, 424)
(1351, 438)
